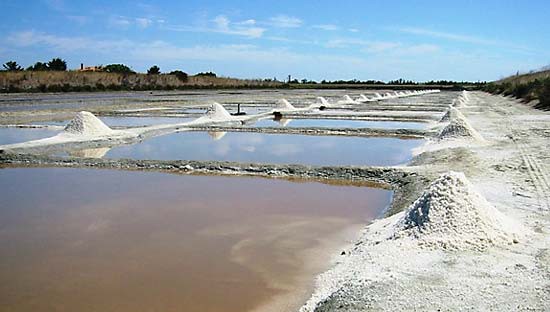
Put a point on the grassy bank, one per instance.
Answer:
(72, 81)
(528, 87)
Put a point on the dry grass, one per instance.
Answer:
(75, 81)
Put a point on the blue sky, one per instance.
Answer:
(419, 40)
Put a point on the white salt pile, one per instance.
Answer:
(85, 123)
(450, 214)
(217, 112)
(459, 127)
(283, 104)
(347, 100)
(322, 101)
(452, 113)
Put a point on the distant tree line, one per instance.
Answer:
(56, 64)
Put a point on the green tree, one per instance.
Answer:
(12, 66)
(38, 66)
(118, 68)
(57, 64)
(181, 75)
(154, 70)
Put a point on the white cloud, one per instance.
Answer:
(445, 35)
(328, 27)
(125, 22)
(381, 46)
(222, 24)
(285, 21)
(143, 22)
(353, 30)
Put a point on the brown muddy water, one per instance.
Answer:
(100, 240)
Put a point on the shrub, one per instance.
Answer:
(118, 68)
(206, 74)
(12, 66)
(183, 77)
(38, 66)
(57, 64)
(154, 70)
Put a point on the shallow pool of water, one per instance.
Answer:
(101, 240)
(338, 123)
(19, 135)
(271, 148)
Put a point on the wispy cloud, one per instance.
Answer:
(64, 44)
(285, 21)
(381, 46)
(120, 21)
(463, 38)
(222, 24)
(446, 35)
(328, 27)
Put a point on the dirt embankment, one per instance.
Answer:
(64, 81)
(529, 87)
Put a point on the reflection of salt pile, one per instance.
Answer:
(90, 152)
(85, 123)
(284, 122)
(450, 214)
(216, 135)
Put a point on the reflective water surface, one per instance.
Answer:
(338, 123)
(18, 135)
(100, 240)
(271, 148)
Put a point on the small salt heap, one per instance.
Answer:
(85, 123)
(284, 105)
(450, 214)
(217, 112)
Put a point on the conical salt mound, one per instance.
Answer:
(85, 123)
(452, 113)
(322, 101)
(217, 112)
(284, 104)
(459, 128)
(363, 98)
(348, 98)
(450, 214)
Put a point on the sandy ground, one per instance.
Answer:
(510, 169)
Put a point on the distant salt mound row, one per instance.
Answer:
(347, 100)
(85, 123)
(284, 105)
(451, 215)
(217, 112)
